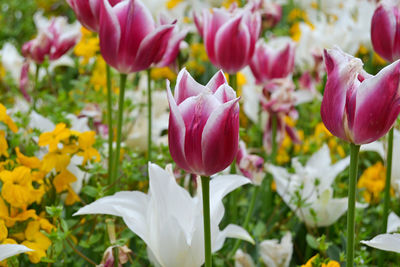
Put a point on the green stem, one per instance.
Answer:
(205, 186)
(36, 88)
(386, 201)
(354, 149)
(246, 220)
(149, 104)
(110, 125)
(274, 149)
(119, 126)
(233, 81)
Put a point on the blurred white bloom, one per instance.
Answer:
(393, 224)
(169, 220)
(308, 191)
(9, 250)
(275, 254)
(242, 259)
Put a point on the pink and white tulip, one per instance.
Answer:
(385, 34)
(229, 37)
(203, 131)
(250, 165)
(358, 107)
(273, 60)
(88, 12)
(55, 38)
(130, 41)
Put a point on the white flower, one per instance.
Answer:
(243, 259)
(169, 220)
(275, 254)
(9, 250)
(310, 185)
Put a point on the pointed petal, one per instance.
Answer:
(388, 242)
(393, 223)
(378, 105)
(186, 86)
(211, 24)
(9, 250)
(216, 81)
(225, 93)
(231, 231)
(172, 49)
(217, 152)
(376, 146)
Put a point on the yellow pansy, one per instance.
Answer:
(62, 180)
(56, 160)
(7, 119)
(30, 162)
(52, 139)
(37, 241)
(17, 186)
(3, 144)
(86, 141)
(373, 180)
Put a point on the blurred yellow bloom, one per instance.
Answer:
(86, 141)
(62, 180)
(56, 160)
(52, 139)
(16, 215)
(88, 46)
(7, 119)
(72, 197)
(37, 241)
(311, 263)
(3, 231)
(3, 144)
(30, 162)
(373, 180)
(162, 73)
(17, 186)
(172, 3)
(228, 3)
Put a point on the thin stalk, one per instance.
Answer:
(246, 220)
(36, 88)
(274, 149)
(205, 186)
(386, 201)
(233, 81)
(149, 104)
(110, 124)
(354, 149)
(119, 126)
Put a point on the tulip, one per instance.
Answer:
(385, 35)
(229, 37)
(251, 166)
(169, 220)
(88, 12)
(129, 38)
(272, 60)
(277, 254)
(55, 38)
(9, 250)
(358, 107)
(203, 130)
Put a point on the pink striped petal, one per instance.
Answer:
(212, 23)
(172, 50)
(377, 105)
(186, 87)
(219, 152)
(225, 93)
(216, 81)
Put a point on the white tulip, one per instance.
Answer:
(9, 250)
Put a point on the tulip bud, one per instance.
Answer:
(385, 35)
(203, 131)
(108, 257)
(229, 37)
(273, 60)
(88, 12)
(251, 166)
(358, 107)
(129, 38)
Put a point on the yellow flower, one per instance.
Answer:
(373, 180)
(98, 78)
(88, 46)
(17, 186)
(72, 197)
(3, 144)
(86, 141)
(53, 138)
(30, 162)
(172, 3)
(37, 241)
(56, 160)
(7, 119)
(62, 180)
(16, 214)
(3, 231)
(317, 262)
(162, 73)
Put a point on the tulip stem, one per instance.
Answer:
(354, 149)
(110, 124)
(246, 220)
(205, 186)
(119, 126)
(149, 104)
(386, 202)
(274, 133)
(233, 81)
(36, 88)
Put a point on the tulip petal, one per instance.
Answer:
(388, 242)
(176, 133)
(224, 121)
(231, 231)
(216, 81)
(9, 250)
(186, 86)
(172, 49)
(225, 93)
(109, 34)
(393, 224)
(378, 105)
(211, 24)
(131, 206)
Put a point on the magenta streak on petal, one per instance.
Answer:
(172, 50)
(225, 93)
(186, 87)
(383, 31)
(216, 81)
